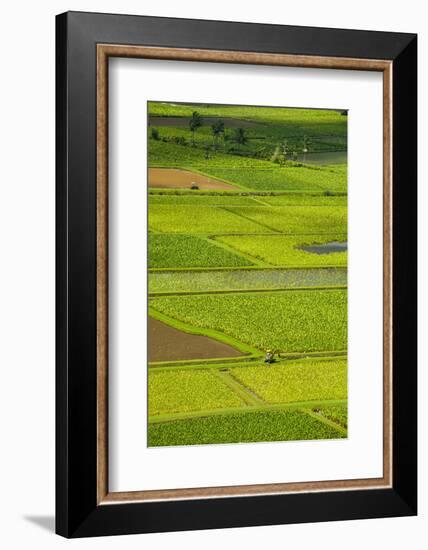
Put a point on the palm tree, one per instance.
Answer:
(217, 129)
(194, 123)
(240, 136)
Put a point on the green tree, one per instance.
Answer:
(240, 137)
(217, 129)
(195, 122)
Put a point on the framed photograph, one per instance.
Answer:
(236, 274)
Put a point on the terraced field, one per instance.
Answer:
(241, 402)
(210, 220)
(190, 251)
(288, 321)
(235, 271)
(224, 280)
(286, 250)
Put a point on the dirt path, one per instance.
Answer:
(183, 179)
(170, 344)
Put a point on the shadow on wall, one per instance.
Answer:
(45, 522)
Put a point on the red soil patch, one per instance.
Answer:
(183, 179)
(167, 343)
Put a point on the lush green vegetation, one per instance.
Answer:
(305, 200)
(296, 219)
(265, 126)
(286, 250)
(285, 178)
(228, 264)
(210, 220)
(336, 413)
(247, 172)
(251, 426)
(317, 119)
(243, 279)
(170, 218)
(261, 139)
(174, 155)
(189, 251)
(203, 200)
(286, 321)
(183, 391)
(304, 381)
(179, 197)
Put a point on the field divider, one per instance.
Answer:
(245, 268)
(196, 364)
(196, 170)
(255, 261)
(244, 291)
(249, 234)
(325, 420)
(245, 361)
(230, 210)
(219, 244)
(247, 395)
(246, 349)
(238, 193)
(261, 291)
(301, 405)
(260, 201)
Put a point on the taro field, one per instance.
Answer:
(247, 274)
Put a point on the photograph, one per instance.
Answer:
(212, 275)
(247, 322)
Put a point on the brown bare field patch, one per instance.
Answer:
(167, 343)
(174, 178)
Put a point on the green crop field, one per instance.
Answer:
(243, 279)
(260, 137)
(190, 251)
(296, 219)
(299, 119)
(303, 200)
(171, 392)
(205, 200)
(264, 177)
(265, 126)
(250, 427)
(286, 250)
(249, 173)
(305, 381)
(287, 321)
(210, 219)
(167, 218)
(336, 413)
(168, 154)
(247, 262)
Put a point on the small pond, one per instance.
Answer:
(327, 248)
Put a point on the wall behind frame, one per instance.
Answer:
(27, 272)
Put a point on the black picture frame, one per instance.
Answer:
(78, 513)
